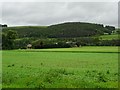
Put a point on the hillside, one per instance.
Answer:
(63, 30)
(109, 37)
(27, 31)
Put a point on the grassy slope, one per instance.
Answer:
(109, 37)
(61, 69)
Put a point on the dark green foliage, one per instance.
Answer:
(62, 42)
(50, 43)
(109, 42)
(73, 29)
(8, 39)
(23, 42)
(5, 25)
(28, 31)
(87, 41)
(118, 31)
(110, 29)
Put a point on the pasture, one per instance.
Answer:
(109, 37)
(85, 67)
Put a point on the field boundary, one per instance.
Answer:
(71, 51)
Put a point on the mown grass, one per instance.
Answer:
(38, 69)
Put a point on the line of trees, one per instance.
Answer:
(10, 40)
(5, 25)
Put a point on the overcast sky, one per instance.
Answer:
(48, 13)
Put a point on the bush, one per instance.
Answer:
(39, 44)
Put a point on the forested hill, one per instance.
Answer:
(63, 30)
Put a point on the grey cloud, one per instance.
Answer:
(47, 13)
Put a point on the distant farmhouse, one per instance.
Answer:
(29, 46)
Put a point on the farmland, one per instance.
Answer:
(109, 37)
(83, 67)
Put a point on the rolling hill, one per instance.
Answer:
(63, 30)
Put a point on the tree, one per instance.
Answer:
(5, 25)
(110, 29)
(8, 39)
(11, 34)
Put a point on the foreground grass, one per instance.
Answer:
(96, 67)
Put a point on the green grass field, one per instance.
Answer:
(85, 67)
(109, 37)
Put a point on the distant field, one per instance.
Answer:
(87, 49)
(85, 67)
(109, 37)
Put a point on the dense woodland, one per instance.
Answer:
(64, 30)
(70, 34)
